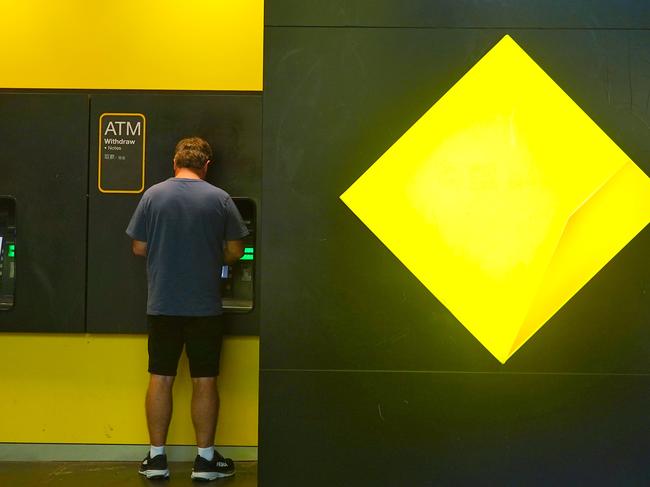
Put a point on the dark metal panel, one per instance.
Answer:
(564, 14)
(426, 429)
(43, 156)
(333, 295)
(232, 125)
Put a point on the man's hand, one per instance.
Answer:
(139, 248)
(232, 251)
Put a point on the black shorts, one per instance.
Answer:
(201, 335)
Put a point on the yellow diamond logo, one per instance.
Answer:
(503, 199)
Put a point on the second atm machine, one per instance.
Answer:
(7, 252)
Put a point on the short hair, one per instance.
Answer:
(192, 152)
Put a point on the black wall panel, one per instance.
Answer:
(453, 429)
(562, 14)
(43, 160)
(349, 333)
(232, 124)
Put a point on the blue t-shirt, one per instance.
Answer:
(185, 222)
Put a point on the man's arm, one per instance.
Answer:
(137, 228)
(139, 248)
(232, 251)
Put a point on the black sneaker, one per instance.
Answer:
(154, 468)
(216, 468)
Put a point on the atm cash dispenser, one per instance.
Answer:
(237, 280)
(7, 251)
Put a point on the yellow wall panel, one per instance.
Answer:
(90, 389)
(161, 45)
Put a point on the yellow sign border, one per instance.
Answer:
(99, 156)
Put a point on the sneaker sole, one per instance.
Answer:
(155, 474)
(207, 476)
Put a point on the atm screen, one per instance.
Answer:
(237, 279)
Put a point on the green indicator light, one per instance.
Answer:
(247, 257)
(12, 249)
(249, 250)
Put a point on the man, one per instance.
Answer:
(186, 229)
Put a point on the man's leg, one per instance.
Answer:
(158, 406)
(203, 345)
(165, 346)
(205, 410)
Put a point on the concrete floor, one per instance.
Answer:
(111, 474)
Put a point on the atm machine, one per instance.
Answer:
(237, 290)
(116, 285)
(7, 251)
(75, 198)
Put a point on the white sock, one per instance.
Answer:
(207, 453)
(154, 451)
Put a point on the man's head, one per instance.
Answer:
(192, 153)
